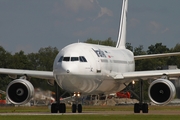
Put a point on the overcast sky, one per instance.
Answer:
(29, 25)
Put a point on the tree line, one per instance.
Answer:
(44, 58)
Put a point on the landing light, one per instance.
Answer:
(133, 82)
(77, 94)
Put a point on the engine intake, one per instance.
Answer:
(20, 91)
(161, 91)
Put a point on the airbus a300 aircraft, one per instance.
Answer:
(85, 69)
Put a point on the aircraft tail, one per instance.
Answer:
(122, 28)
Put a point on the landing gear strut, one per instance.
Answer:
(141, 106)
(58, 107)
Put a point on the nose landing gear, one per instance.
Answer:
(77, 106)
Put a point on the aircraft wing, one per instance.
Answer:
(30, 73)
(147, 74)
(139, 57)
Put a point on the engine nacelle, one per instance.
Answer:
(20, 91)
(161, 91)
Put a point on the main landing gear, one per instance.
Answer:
(58, 107)
(141, 106)
(61, 107)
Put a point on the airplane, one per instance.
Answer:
(85, 69)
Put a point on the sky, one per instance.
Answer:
(29, 25)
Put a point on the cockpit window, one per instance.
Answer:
(60, 59)
(82, 59)
(74, 59)
(66, 58)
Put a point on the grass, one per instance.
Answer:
(92, 117)
(21, 109)
(106, 109)
(46, 109)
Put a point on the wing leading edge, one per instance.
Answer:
(30, 73)
(140, 57)
(147, 74)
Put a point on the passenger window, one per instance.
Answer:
(82, 59)
(60, 59)
(74, 59)
(66, 58)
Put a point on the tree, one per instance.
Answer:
(45, 58)
(107, 42)
(174, 60)
(157, 48)
(5, 58)
(141, 64)
(129, 46)
(139, 50)
(34, 61)
(20, 61)
(5, 61)
(90, 40)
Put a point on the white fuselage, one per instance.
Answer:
(89, 69)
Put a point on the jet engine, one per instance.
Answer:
(19, 91)
(161, 91)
